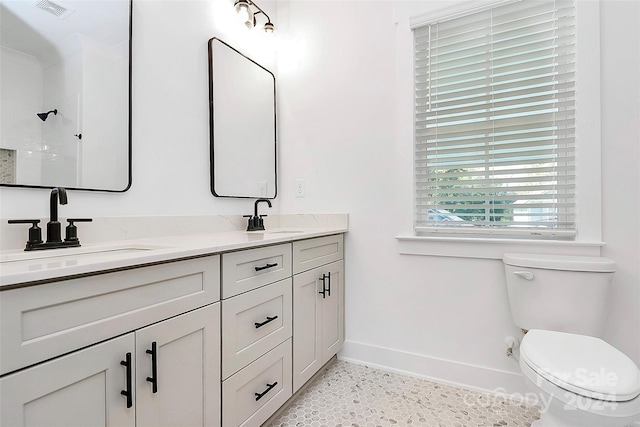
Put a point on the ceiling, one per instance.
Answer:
(36, 32)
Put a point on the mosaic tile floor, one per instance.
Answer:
(348, 394)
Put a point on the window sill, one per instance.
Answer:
(466, 247)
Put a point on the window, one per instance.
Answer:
(495, 122)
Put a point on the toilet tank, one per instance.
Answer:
(559, 292)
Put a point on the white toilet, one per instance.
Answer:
(580, 380)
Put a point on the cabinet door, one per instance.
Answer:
(332, 311)
(318, 319)
(306, 326)
(187, 370)
(81, 389)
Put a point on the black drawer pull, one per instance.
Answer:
(269, 319)
(153, 379)
(264, 267)
(128, 392)
(269, 387)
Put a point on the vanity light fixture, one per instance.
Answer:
(248, 15)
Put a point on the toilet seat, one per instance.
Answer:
(581, 364)
(573, 405)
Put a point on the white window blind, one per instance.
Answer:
(495, 122)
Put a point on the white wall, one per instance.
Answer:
(170, 116)
(620, 166)
(446, 317)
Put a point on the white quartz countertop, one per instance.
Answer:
(18, 268)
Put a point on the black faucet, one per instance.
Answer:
(256, 222)
(54, 235)
(53, 226)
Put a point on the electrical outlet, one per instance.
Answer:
(262, 188)
(298, 188)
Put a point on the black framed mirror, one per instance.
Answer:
(66, 94)
(242, 118)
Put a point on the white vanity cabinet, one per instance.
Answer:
(318, 305)
(85, 387)
(296, 293)
(214, 340)
(81, 352)
(256, 334)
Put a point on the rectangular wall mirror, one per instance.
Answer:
(65, 94)
(243, 124)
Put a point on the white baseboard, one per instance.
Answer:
(473, 377)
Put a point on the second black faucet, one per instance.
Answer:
(256, 223)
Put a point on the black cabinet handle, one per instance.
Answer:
(264, 267)
(269, 387)
(153, 379)
(269, 319)
(129, 391)
(326, 290)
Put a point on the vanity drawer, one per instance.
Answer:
(253, 394)
(243, 271)
(312, 253)
(253, 323)
(44, 321)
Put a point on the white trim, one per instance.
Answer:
(497, 232)
(487, 248)
(455, 11)
(459, 374)
(588, 122)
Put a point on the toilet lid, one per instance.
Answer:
(584, 365)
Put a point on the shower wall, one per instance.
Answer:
(61, 90)
(44, 151)
(21, 99)
(83, 83)
(103, 113)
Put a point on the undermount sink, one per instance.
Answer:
(77, 252)
(276, 232)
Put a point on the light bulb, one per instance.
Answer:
(268, 28)
(252, 22)
(244, 12)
